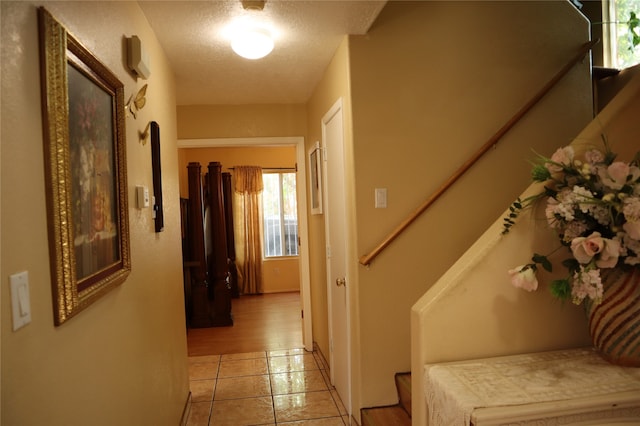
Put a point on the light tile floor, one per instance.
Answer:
(288, 387)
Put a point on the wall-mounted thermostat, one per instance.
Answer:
(142, 197)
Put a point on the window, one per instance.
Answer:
(280, 214)
(620, 33)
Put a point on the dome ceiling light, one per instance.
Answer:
(251, 39)
(252, 42)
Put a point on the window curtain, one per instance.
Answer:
(247, 227)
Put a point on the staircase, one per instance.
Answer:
(393, 415)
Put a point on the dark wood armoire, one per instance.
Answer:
(208, 281)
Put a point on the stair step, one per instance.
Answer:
(403, 384)
(393, 415)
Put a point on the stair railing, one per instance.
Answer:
(368, 258)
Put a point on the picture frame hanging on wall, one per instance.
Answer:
(315, 181)
(85, 171)
(156, 167)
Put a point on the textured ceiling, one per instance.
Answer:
(207, 71)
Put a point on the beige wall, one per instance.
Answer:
(240, 121)
(279, 275)
(123, 360)
(430, 83)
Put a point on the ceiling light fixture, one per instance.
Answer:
(250, 39)
(252, 42)
(253, 4)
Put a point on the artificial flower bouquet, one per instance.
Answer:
(593, 203)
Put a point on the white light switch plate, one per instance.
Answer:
(142, 197)
(20, 303)
(381, 198)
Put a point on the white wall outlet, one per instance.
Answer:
(20, 303)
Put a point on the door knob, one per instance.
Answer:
(341, 281)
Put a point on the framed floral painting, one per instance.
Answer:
(85, 171)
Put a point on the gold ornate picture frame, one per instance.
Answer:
(85, 171)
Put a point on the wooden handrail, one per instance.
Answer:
(367, 259)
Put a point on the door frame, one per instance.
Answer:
(337, 108)
(303, 227)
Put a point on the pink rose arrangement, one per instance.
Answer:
(593, 204)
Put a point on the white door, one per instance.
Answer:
(335, 229)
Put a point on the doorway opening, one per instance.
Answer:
(297, 143)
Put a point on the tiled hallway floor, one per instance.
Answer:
(285, 387)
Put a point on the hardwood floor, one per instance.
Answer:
(260, 323)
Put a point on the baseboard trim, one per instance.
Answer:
(322, 357)
(186, 411)
(282, 290)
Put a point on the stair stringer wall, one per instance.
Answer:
(472, 311)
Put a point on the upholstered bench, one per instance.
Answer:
(573, 386)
